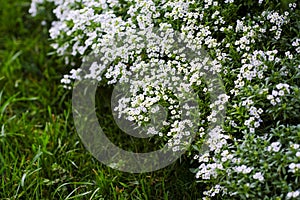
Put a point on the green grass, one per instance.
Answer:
(41, 156)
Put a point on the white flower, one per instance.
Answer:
(295, 146)
(275, 147)
(292, 166)
(289, 195)
(258, 176)
(296, 194)
(293, 194)
(242, 169)
(274, 93)
(281, 93)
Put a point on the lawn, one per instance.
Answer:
(41, 156)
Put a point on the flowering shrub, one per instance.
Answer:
(253, 45)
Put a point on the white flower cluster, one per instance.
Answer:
(215, 190)
(295, 147)
(254, 119)
(226, 156)
(84, 26)
(253, 67)
(293, 194)
(34, 7)
(281, 90)
(274, 147)
(292, 5)
(100, 31)
(208, 171)
(277, 21)
(293, 167)
(296, 44)
(258, 176)
(243, 169)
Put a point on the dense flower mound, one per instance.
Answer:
(253, 46)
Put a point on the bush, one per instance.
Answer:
(253, 46)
